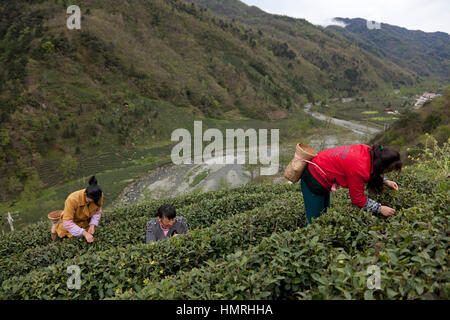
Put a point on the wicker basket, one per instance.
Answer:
(55, 215)
(295, 168)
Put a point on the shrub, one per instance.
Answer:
(128, 228)
(107, 271)
(328, 260)
(38, 234)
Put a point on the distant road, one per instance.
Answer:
(355, 127)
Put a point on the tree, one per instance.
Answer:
(33, 186)
(4, 138)
(14, 185)
(431, 122)
(68, 166)
(48, 46)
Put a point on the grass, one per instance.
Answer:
(369, 112)
(113, 181)
(199, 178)
(381, 118)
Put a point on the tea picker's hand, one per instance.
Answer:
(392, 184)
(387, 211)
(89, 237)
(91, 229)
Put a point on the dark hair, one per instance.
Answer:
(166, 210)
(382, 158)
(94, 191)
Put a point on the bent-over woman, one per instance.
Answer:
(82, 212)
(351, 167)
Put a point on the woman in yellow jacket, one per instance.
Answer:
(82, 212)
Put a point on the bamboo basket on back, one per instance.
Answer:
(296, 166)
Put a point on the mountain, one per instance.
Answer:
(137, 70)
(333, 58)
(426, 53)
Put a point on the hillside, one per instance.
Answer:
(250, 243)
(427, 53)
(82, 101)
(424, 54)
(334, 58)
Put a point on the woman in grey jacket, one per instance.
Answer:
(165, 224)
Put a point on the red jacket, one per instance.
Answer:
(348, 166)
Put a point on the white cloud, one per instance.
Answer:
(425, 15)
(331, 21)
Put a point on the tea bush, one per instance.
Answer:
(329, 260)
(38, 234)
(412, 257)
(106, 272)
(129, 230)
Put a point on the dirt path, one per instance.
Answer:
(360, 129)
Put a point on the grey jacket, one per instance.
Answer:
(155, 233)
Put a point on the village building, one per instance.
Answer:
(424, 98)
(390, 111)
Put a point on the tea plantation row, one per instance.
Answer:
(329, 260)
(131, 230)
(107, 272)
(38, 234)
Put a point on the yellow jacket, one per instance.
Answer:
(76, 209)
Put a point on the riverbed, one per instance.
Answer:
(172, 180)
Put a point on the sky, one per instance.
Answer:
(425, 15)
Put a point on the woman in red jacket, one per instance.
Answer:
(350, 167)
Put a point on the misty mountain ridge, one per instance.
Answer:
(427, 53)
